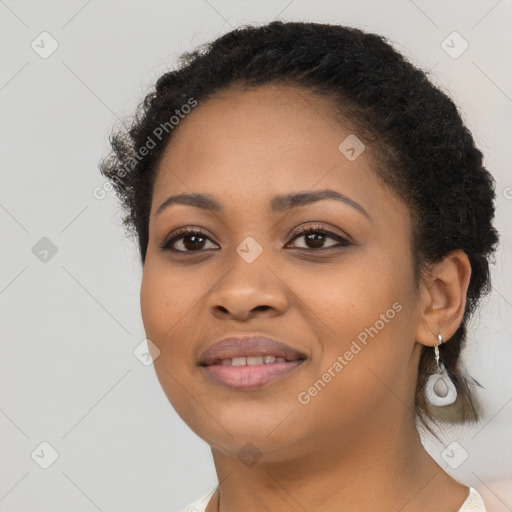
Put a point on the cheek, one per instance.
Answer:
(152, 301)
(344, 300)
(361, 313)
(167, 302)
(166, 298)
(172, 302)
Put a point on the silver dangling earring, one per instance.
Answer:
(439, 389)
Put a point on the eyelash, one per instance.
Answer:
(183, 232)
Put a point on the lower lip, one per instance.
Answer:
(250, 377)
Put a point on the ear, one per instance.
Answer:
(443, 290)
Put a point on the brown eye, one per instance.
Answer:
(315, 238)
(190, 240)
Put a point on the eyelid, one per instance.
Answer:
(342, 239)
(303, 230)
(180, 232)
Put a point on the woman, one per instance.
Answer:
(314, 224)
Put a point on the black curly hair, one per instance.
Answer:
(420, 146)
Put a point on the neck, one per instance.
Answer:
(375, 467)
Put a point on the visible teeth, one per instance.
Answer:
(252, 360)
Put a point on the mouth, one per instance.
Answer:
(249, 363)
(249, 377)
(252, 360)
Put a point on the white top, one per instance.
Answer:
(473, 503)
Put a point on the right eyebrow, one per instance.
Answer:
(203, 201)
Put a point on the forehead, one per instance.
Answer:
(262, 119)
(244, 145)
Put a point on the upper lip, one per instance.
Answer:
(245, 346)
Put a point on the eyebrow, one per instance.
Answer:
(278, 203)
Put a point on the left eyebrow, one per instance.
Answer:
(295, 200)
(278, 203)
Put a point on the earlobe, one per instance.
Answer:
(443, 292)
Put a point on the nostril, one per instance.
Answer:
(262, 307)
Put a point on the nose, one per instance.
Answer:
(248, 290)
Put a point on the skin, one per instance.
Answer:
(355, 443)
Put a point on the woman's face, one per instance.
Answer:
(349, 303)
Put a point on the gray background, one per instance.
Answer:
(70, 321)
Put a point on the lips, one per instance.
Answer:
(248, 346)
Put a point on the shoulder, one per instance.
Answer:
(200, 504)
(473, 503)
